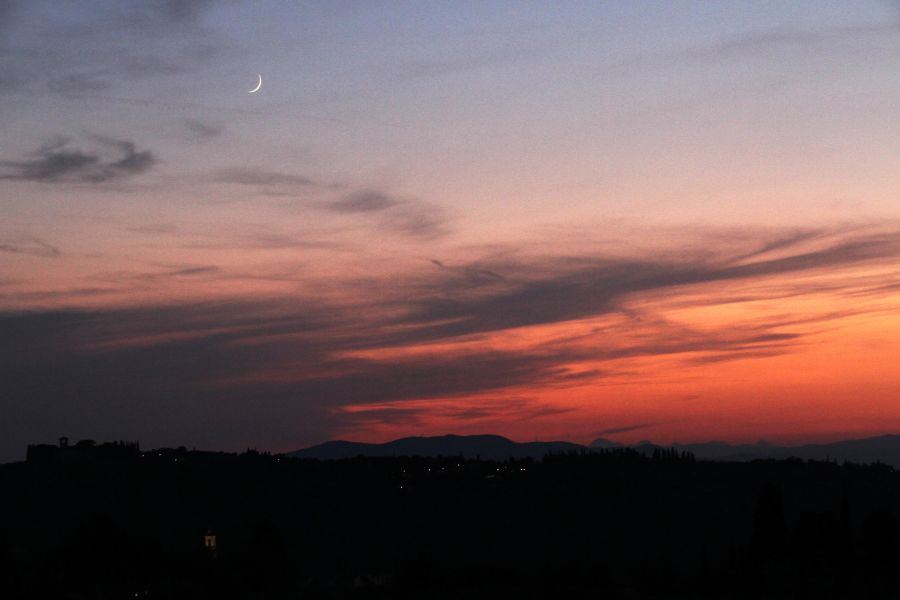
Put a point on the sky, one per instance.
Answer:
(673, 221)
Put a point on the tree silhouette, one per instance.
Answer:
(767, 542)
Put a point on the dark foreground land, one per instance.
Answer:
(119, 523)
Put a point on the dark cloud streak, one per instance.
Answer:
(363, 201)
(59, 162)
(552, 290)
(30, 245)
(261, 177)
(622, 429)
(202, 129)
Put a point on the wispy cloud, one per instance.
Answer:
(60, 161)
(185, 10)
(410, 217)
(29, 245)
(363, 201)
(67, 295)
(622, 429)
(779, 40)
(156, 228)
(120, 43)
(202, 129)
(472, 272)
(487, 411)
(421, 220)
(252, 176)
(552, 289)
(166, 272)
(79, 83)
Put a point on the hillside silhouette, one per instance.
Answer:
(112, 521)
(488, 447)
(885, 449)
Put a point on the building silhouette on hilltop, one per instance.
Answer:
(81, 451)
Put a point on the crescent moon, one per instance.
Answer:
(258, 85)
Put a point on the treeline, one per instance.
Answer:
(612, 523)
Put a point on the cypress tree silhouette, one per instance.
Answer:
(767, 542)
(9, 581)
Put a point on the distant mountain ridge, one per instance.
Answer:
(488, 447)
(884, 448)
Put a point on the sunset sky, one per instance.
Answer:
(675, 221)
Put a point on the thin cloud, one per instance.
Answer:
(363, 201)
(621, 429)
(121, 43)
(262, 241)
(30, 245)
(781, 40)
(741, 354)
(79, 83)
(487, 409)
(545, 290)
(155, 276)
(417, 219)
(156, 228)
(192, 271)
(473, 273)
(66, 294)
(203, 130)
(262, 177)
(62, 162)
(250, 237)
(143, 66)
(160, 14)
(409, 217)
(185, 10)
